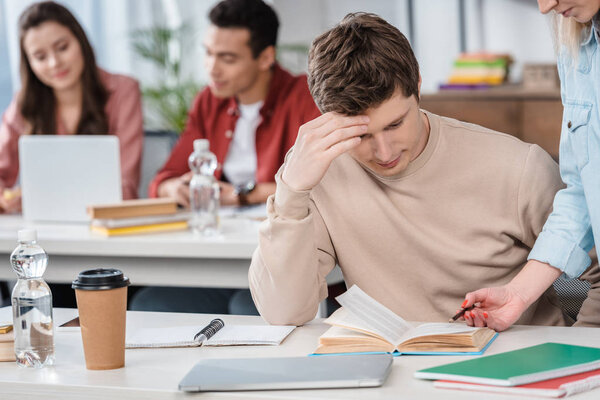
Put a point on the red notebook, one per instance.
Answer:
(557, 387)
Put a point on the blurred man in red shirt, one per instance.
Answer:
(250, 112)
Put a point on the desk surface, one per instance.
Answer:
(162, 259)
(155, 373)
(237, 240)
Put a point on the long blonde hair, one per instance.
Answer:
(569, 33)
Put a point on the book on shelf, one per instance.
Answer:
(555, 388)
(364, 325)
(519, 367)
(140, 229)
(133, 208)
(7, 346)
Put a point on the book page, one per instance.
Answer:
(344, 319)
(437, 328)
(373, 315)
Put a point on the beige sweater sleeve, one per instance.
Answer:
(294, 255)
(540, 180)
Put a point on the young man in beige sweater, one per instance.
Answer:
(416, 209)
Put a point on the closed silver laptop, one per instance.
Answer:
(312, 372)
(62, 174)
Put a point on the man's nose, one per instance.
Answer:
(211, 66)
(382, 148)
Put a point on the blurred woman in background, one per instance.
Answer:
(63, 92)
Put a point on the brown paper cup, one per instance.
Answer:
(102, 319)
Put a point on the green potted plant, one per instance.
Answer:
(169, 100)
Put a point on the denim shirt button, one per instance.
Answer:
(569, 125)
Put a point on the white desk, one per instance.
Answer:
(168, 259)
(165, 259)
(155, 373)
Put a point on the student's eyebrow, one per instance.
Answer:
(59, 40)
(397, 120)
(222, 53)
(38, 51)
(226, 54)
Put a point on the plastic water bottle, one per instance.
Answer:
(204, 190)
(32, 304)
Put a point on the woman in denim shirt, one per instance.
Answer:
(570, 230)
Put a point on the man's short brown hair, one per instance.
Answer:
(360, 63)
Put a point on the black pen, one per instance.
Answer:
(461, 313)
(209, 330)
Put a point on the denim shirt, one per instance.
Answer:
(569, 232)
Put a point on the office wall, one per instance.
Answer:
(513, 26)
(5, 77)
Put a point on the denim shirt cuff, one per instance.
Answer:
(561, 253)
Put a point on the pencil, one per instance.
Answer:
(461, 313)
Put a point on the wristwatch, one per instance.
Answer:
(243, 190)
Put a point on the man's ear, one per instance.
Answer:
(266, 58)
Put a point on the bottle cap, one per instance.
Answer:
(100, 279)
(200, 145)
(27, 235)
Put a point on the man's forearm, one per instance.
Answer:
(261, 192)
(287, 273)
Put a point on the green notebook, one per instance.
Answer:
(518, 367)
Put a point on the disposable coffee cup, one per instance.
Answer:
(102, 303)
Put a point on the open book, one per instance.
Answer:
(365, 325)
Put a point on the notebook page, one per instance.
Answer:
(173, 336)
(232, 335)
(229, 335)
(380, 320)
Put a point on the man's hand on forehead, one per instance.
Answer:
(318, 143)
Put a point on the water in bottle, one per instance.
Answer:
(32, 304)
(204, 190)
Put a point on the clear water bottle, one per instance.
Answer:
(204, 190)
(32, 304)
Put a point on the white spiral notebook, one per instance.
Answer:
(229, 335)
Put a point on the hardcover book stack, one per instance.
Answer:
(137, 217)
(546, 370)
(478, 70)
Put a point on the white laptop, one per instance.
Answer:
(61, 175)
(312, 372)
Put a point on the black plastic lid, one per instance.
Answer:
(100, 279)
